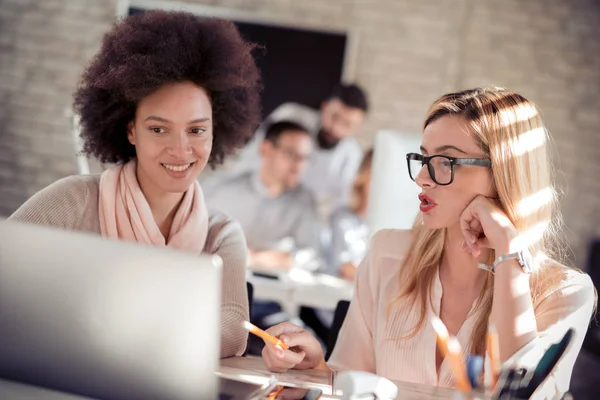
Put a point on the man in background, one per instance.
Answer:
(337, 154)
(277, 213)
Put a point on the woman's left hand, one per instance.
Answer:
(485, 225)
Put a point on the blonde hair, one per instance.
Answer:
(509, 130)
(361, 181)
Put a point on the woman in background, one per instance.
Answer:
(167, 94)
(479, 253)
(348, 237)
(349, 230)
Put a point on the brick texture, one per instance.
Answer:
(43, 48)
(409, 53)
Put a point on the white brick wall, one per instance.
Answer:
(43, 47)
(410, 52)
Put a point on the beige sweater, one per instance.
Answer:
(72, 203)
(368, 340)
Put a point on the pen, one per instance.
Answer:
(441, 334)
(474, 369)
(492, 367)
(264, 335)
(457, 363)
(450, 347)
(273, 395)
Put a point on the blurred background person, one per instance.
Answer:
(276, 211)
(349, 230)
(337, 154)
(348, 237)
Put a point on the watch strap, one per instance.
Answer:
(500, 259)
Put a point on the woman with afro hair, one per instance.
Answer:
(167, 94)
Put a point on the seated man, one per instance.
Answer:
(330, 172)
(277, 213)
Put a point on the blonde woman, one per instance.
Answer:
(487, 198)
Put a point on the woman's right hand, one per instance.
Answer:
(305, 352)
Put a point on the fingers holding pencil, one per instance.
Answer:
(301, 349)
(279, 359)
(276, 353)
(264, 335)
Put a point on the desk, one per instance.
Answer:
(297, 287)
(254, 368)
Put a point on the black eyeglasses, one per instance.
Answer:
(441, 168)
(291, 154)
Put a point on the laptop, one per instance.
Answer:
(107, 319)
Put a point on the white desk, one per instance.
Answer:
(253, 368)
(296, 287)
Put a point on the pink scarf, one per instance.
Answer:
(125, 213)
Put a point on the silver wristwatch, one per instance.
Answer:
(523, 257)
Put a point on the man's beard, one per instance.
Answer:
(325, 141)
(289, 184)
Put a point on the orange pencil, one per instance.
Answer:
(442, 334)
(459, 369)
(493, 366)
(273, 395)
(264, 335)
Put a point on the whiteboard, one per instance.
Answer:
(393, 201)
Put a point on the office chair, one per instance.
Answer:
(250, 290)
(592, 339)
(338, 319)
(250, 342)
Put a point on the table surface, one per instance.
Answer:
(253, 368)
(297, 287)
